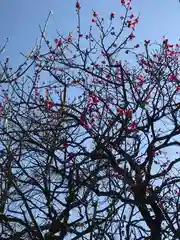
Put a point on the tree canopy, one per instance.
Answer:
(89, 143)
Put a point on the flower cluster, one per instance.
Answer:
(125, 112)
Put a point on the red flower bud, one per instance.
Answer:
(129, 113)
(131, 36)
(78, 5)
(120, 111)
(112, 15)
(95, 14)
(108, 76)
(132, 16)
(146, 42)
(65, 145)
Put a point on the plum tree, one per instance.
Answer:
(92, 153)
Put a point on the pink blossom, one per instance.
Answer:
(108, 76)
(92, 99)
(128, 113)
(131, 16)
(133, 127)
(140, 78)
(82, 120)
(52, 57)
(172, 77)
(178, 88)
(92, 121)
(70, 38)
(58, 42)
(50, 105)
(87, 126)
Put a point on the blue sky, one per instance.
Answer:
(19, 20)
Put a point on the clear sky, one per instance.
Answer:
(19, 20)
